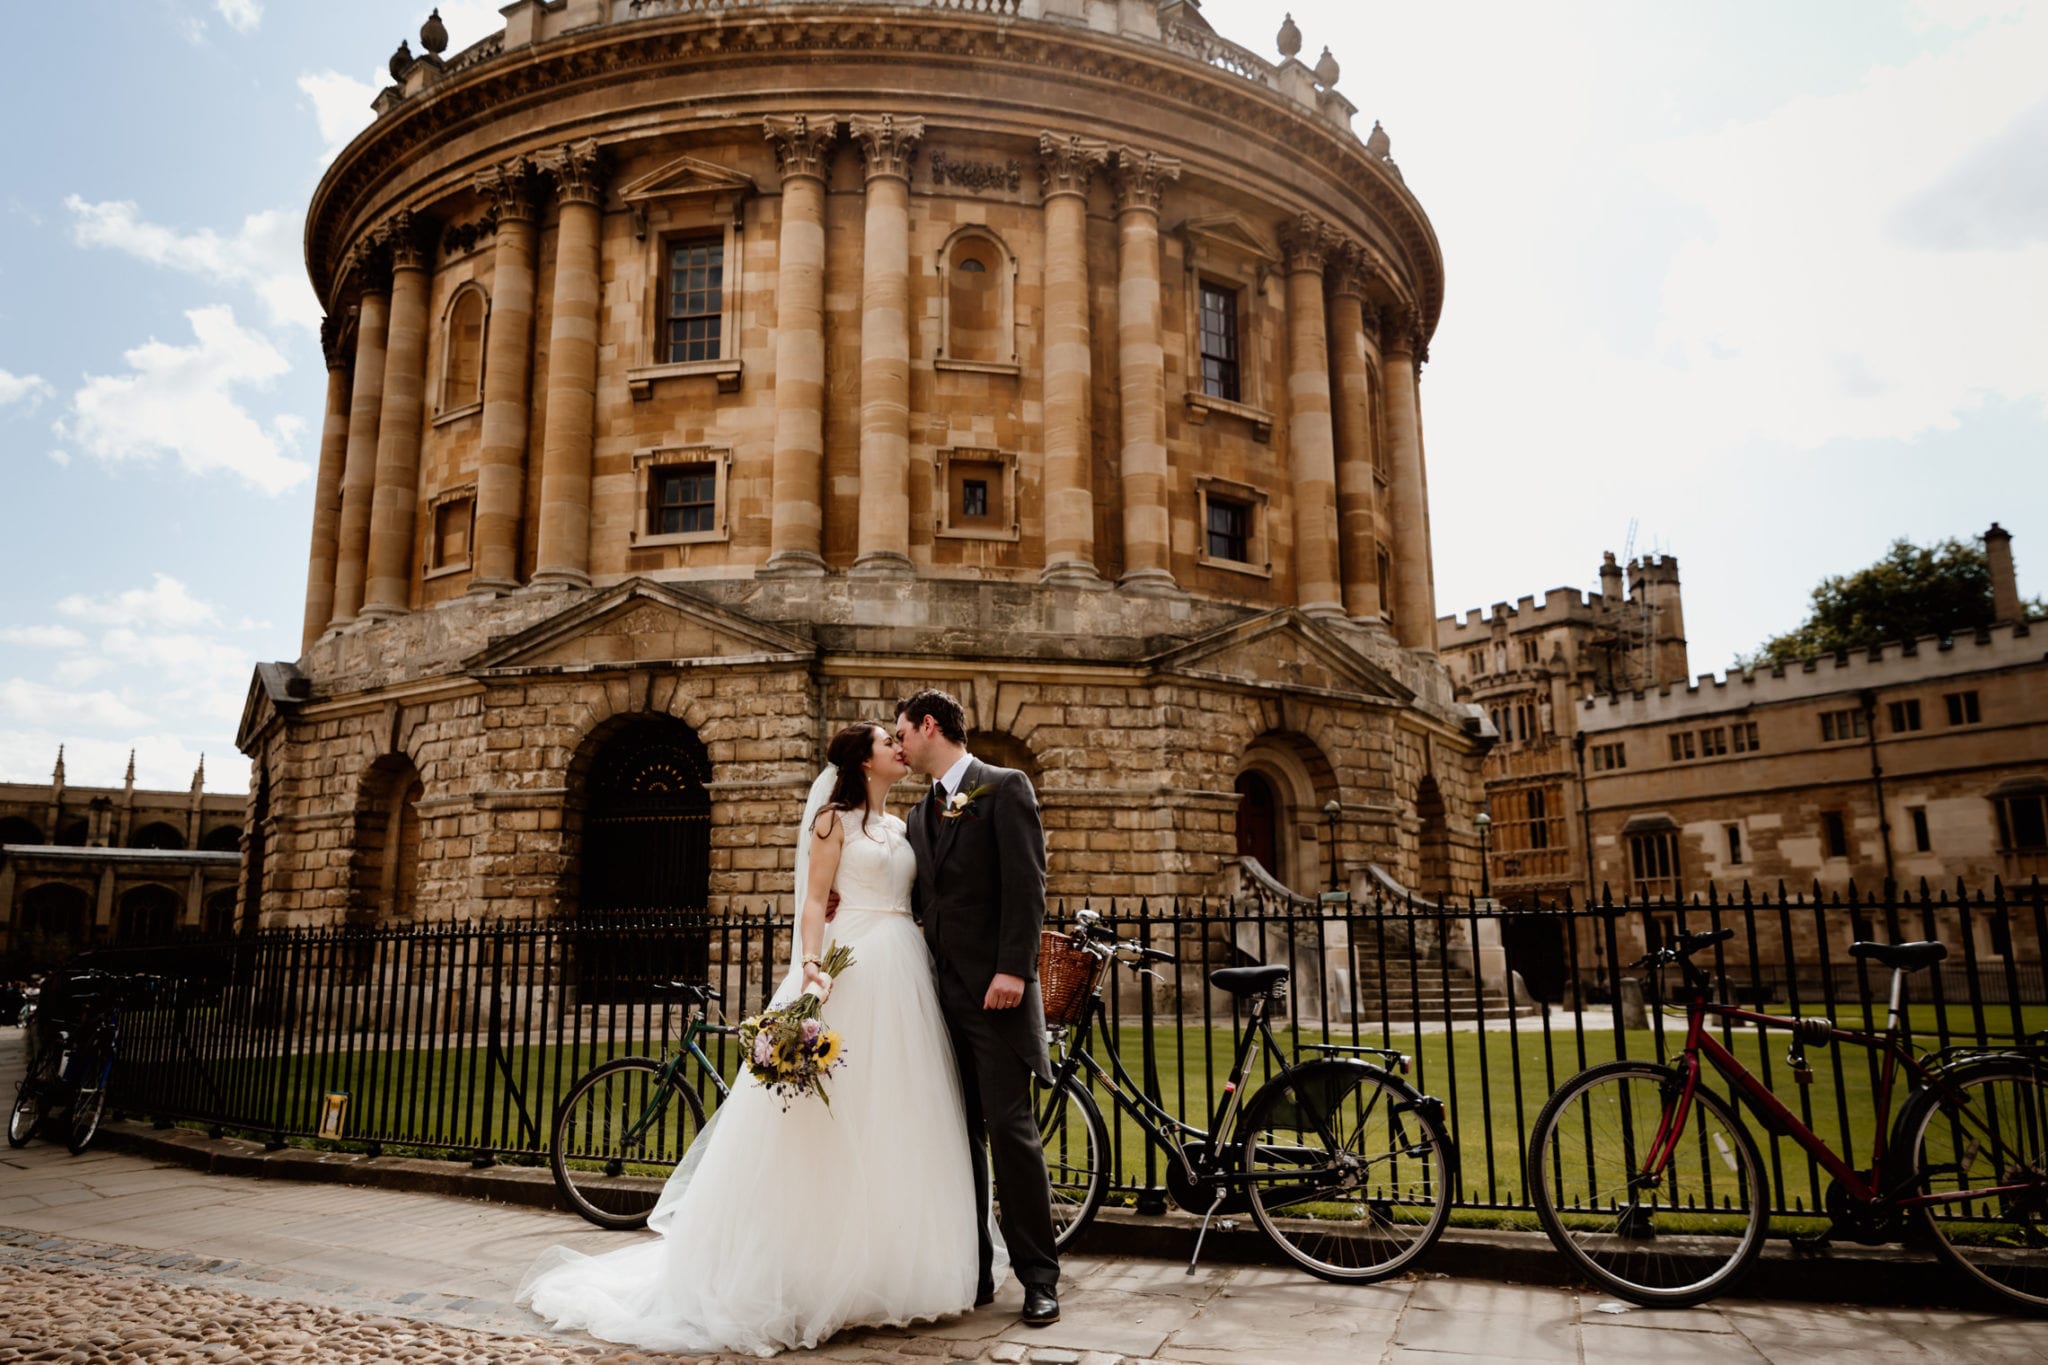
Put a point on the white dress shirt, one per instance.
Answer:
(956, 775)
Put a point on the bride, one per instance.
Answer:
(780, 1227)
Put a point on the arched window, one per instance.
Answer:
(54, 921)
(462, 350)
(157, 834)
(386, 868)
(220, 913)
(978, 277)
(15, 830)
(223, 839)
(148, 914)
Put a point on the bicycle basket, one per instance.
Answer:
(1066, 978)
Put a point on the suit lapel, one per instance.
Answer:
(969, 780)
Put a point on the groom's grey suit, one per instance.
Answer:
(980, 895)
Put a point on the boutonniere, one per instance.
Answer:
(962, 802)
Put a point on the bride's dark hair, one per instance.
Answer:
(849, 749)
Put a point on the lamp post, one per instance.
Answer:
(1485, 823)
(1330, 812)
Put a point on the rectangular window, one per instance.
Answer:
(1744, 735)
(1531, 651)
(2023, 823)
(1921, 842)
(1834, 834)
(974, 497)
(1539, 819)
(1607, 757)
(1905, 716)
(1219, 344)
(684, 498)
(1836, 726)
(1714, 742)
(1962, 708)
(452, 521)
(1230, 530)
(1734, 845)
(1653, 861)
(1682, 746)
(696, 298)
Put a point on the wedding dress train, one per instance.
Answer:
(780, 1228)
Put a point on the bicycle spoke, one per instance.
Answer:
(1986, 1161)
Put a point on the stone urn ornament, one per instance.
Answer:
(1290, 37)
(401, 60)
(434, 34)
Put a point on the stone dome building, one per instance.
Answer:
(705, 375)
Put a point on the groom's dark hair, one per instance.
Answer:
(942, 707)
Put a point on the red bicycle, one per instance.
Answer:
(1650, 1183)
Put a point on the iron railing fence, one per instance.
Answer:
(456, 1039)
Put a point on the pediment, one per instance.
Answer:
(1283, 649)
(1230, 232)
(684, 176)
(639, 622)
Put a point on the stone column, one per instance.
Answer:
(887, 147)
(1414, 595)
(796, 529)
(1311, 446)
(570, 431)
(508, 378)
(327, 488)
(1357, 543)
(1141, 370)
(359, 465)
(393, 511)
(1066, 167)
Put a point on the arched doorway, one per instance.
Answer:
(157, 835)
(146, 915)
(647, 821)
(1004, 750)
(1258, 822)
(385, 871)
(54, 921)
(1433, 842)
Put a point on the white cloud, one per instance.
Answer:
(241, 15)
(45, 707)
(23, 388)
(341, 106)
(262, 256)
(42, 637)
(179, 400)
(165, 603)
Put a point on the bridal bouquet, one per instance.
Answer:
(789, 1049)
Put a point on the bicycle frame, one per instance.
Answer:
(1779, 1118)
(657, 1100)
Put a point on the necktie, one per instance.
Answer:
(932, 809)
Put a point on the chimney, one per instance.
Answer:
(2005, 589)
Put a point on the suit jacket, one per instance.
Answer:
(980, 895)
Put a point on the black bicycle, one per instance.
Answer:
(1343, 1165)
(74, 1061)
(625, 1124)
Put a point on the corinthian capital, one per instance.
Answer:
(1401, 331)
(578, 170)
(369, 260)
(887, 144)
(407, 236)
(1347, 273)
(1306, 243)
(512, 187)
(1140, 178)
(803, 142)
(1067, 162)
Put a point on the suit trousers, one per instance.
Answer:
(996, 1085)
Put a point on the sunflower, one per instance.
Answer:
(828, 1050)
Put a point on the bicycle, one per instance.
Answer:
(1650, 1183)
(613, 1143)
(72, 1070)
(1343, 1165)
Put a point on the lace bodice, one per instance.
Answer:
(876, 865)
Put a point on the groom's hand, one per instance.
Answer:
(1005, 992)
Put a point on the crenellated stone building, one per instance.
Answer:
(93, 866)
(704, 376)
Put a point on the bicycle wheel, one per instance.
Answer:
(84, 1121)
(1680, 1239)
(1077, 1155)
(1994, 1137)
(608, 1163)
(26, 1115)
(1347, 1173)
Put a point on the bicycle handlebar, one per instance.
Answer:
(1090, 930)
(1683, 949)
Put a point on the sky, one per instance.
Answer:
(1759, 283)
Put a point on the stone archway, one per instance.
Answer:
(384, 872)
(1258, 820)
(1280, 808)
(1004, 750)
(15, 830)
(645, 818)
(147, 915)
(158, 834)
(1432, 842)
(55, 921)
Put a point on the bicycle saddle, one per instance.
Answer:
(1243, 981)
(1909, 957)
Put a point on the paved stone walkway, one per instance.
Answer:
(109, 1257)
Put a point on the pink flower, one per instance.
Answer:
(812, 1028)
(764, 1048)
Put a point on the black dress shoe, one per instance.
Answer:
(1041, 1306)
(984, 1295)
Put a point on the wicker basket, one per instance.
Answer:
(1066, 978)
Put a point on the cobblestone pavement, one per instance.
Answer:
(109, 1257)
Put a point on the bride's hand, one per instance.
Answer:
(816, 982)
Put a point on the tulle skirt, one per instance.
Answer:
(780, 1228)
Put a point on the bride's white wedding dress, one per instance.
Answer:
(780, 1228)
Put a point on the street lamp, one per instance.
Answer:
(1330, 812)
(1485, 823)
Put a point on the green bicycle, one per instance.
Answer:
(624, 1125)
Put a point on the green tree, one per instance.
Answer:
(1914, 591)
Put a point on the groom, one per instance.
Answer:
(981, 896)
